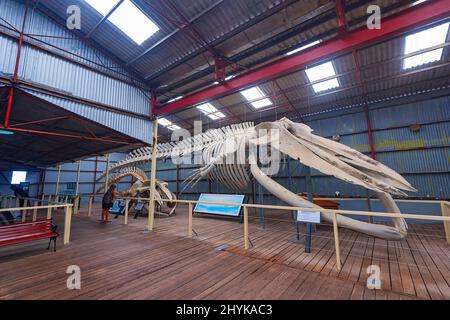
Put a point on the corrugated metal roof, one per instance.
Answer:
(381, 68)
(40, 67)
(106, 89)
(46, 134)
(135, 127)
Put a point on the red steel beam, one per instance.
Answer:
(39, 121)
(64, 135)
(392, 26)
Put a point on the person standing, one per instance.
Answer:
(20, 193)
(107, 202)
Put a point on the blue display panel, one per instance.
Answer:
(219, 209)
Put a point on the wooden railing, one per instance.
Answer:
(11, 203)
(444, 217)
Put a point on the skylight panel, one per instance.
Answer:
(217, 115)
(256, 93)
(253, 93)
(133, 22)
(320, 72)
(303, 47)
(168, 124)
(173, 127)
(325, 85)
(211, 111)
(102, 6)
(18, 177)
(175, 99)
(164, 122)
(262, 103)
(425, 39)
(207, 108)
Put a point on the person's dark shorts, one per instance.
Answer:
(107, 205)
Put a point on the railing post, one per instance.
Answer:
(336, 242)
(77, 183)
(36, 203)
(127, 201)
(76, 200)
(90, 206)
(445, 210)
(9, 201)
(67, 223)
(1, 201)
(108, 158)
(57, 184)
(190, 220)
(24, 212)
(17, 202)
(246, 244)
(49, 210)
(151, 207)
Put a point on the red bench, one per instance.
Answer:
(28, 231)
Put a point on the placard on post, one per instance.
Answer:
(308, 216)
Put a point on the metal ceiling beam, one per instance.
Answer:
(264, 45)
(345, 104)
(224, 38)
(320, 15)
(345, 101)
(411, 18)
(170, 35)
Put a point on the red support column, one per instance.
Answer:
(369, 131)
(342, 22)
(219, 69)
(366, 106)
(153, 103)
(16, 71)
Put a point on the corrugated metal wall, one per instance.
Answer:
(68, 176)
(87, 174)
(422, 157)
(44, 69)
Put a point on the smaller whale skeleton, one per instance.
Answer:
(141, 189)
(291, 139)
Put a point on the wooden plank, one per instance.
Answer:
(166, 264)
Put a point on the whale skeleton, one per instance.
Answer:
(141, 187)
(230, 155)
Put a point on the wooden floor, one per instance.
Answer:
(123, 262)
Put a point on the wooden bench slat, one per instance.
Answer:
(27, 231)
(22, 240)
